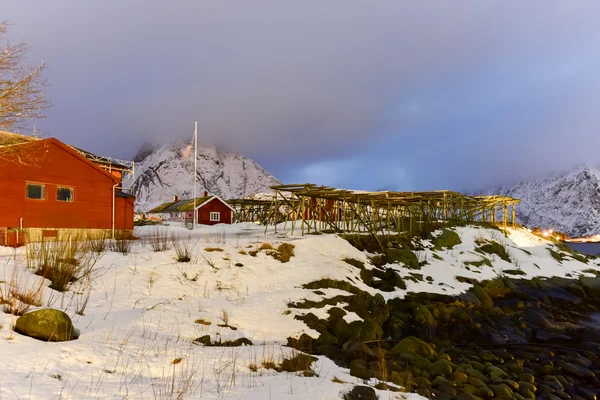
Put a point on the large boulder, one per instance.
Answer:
(361, 393)
(49, 325)
(403, 256)
(414, 346)
(447, 239)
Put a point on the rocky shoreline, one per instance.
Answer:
(505, 338)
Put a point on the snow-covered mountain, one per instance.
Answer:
(568, 202)
(166, 171)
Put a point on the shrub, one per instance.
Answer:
(159, 240)
(284, 252)
(265, 246)
(122, 244)
(19, 296)
(98, 243)
(183, 249)
(61, 261)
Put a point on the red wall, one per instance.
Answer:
(49, 162)
(214, 206)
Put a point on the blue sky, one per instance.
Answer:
(369, 95)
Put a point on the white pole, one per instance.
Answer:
(195, 170)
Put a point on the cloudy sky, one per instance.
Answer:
(392, 94)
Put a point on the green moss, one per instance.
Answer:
(514, 272)
(479, 264)
(354, 262)
(525, 251)
(448, 239)
(403, 256)
(493, 247)
(331, 284)
(558, 256)
(437, 257)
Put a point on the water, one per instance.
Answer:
(591, 249)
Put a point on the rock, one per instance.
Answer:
(484, 298)
(501, 390)
(460, 376)
(242, 342)
(414, 346)
(496, 372)
(49, 325)
(475, 382)
(535, 318)
(485, 392)
(577, 370)
(447, 239)
(467, 396)
(440, 368)
(406, 257)
(590, 285)
(420, 362)
(361, 393)
(358, 368)
(525, 377)
(325, 339)
(205, 340)
(422, 382)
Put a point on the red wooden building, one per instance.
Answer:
(211, 210)
(48, 184)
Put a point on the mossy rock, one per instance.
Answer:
(493, 247)
(447, 239)
(300, 362)
(325, 339)
(484, 298)
(414, 346)
(402, 256)
(367, 276)
(440, 368)
(49, 325)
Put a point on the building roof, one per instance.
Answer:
(179, 206)
(10, 139)
(186, 205)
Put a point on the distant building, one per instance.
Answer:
(49, 185)
(211, 210)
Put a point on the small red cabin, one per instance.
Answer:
(210, 210)
(45, 183)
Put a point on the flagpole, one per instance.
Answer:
(195, 170)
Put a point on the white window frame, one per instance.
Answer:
(43, 186)
(72, 194)
(215, 216)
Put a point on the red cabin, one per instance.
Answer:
(48, 184)
(211, 210)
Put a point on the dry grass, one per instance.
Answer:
(213, 249)
(337, 380)
(202, 322)
(19, 295)
(265, 246)
(285, 251)
(242, 252)
(122, 244)
(184, 249)
(62, 261)
(253, 367)
(98, 242)
(159, 240)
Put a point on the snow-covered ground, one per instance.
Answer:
(140, 316)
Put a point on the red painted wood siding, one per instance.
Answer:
(214, 206)
(50, 162)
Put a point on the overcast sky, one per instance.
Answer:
(404, 95)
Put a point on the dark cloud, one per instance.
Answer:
(382, 94)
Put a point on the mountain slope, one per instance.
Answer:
(167, 171)
(568, 202)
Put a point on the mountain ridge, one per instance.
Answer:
(162, 172)
(567, 201)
